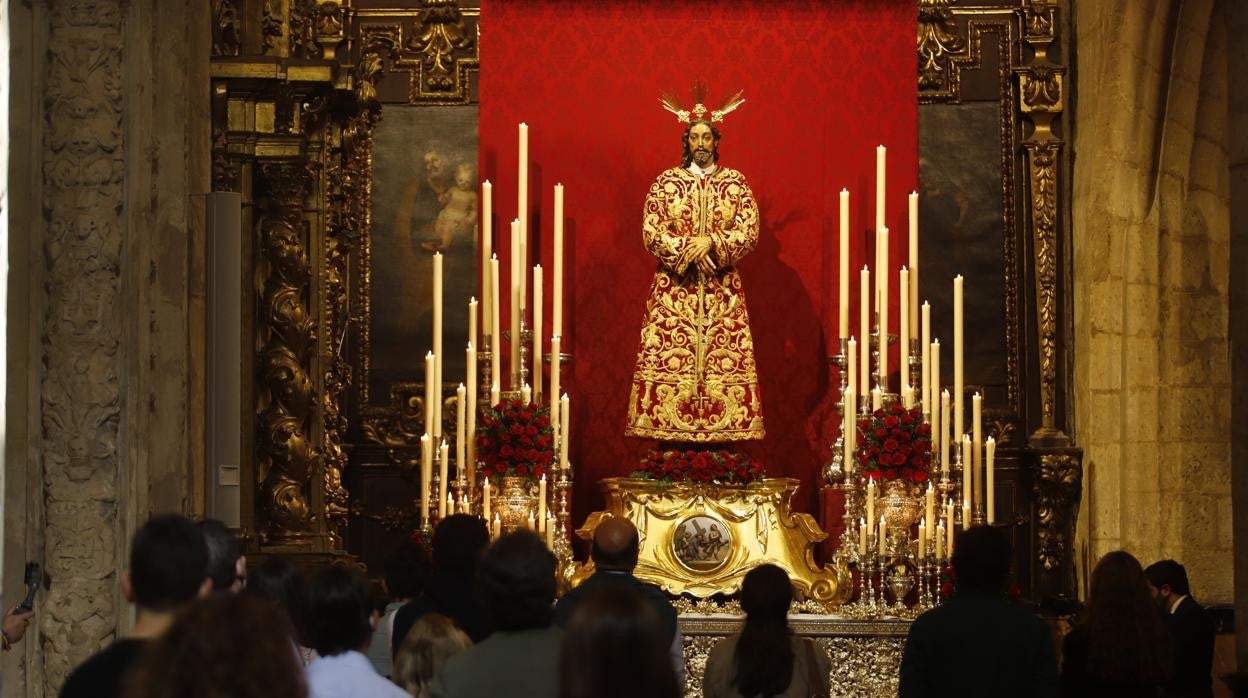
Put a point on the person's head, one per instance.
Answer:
(701, 143)
(1127, 639)
(614, 646)
(616, 545)
(464, 175)
(458, 543)
(168, 565)
(278, 581)
(981, 559)
(764, 656)
(1168, 581)
(226, 564)
(432, 640)
(517, 582)
(340, 614)
(226, 645)
(406, 570)
(435, 161)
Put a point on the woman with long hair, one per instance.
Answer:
(1121, 647)
(431, 641)
(766, 658)
(228, 645)
(277, 580)
(615, 647)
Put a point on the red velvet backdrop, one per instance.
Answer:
(824, 84)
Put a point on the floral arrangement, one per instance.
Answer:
(516, 439)
(894, 443)
(699, 466)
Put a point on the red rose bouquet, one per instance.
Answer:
(516, 439)
(699, 466)
(895, 443)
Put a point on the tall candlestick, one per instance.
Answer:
(870, 502)
(968, 472)
(959, 410)
(977, 447)
(487, 250)
(426, 476)
(496, 346)
(942, 428)
(879, 187)
(541, 499)
(536, 373)
(437, 344)
(913, 200)
(430, 394)
(881, 276)
(471, 358)
(852, 371)
(555, 343)
(565, 433)
(556, 319)
(444, 455)
(843, 267)
(925, 341)
(472, 319)
(848, 420)
(522, 212)
(864, 313)
(990, 460)
(461, 431)
(517, 275)
(930, 503)
(903, 323)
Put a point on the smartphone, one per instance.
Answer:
(34, 576)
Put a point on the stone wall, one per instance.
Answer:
(1151, 249)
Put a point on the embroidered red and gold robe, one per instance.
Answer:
(696, 378)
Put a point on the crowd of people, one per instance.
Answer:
(477, 618)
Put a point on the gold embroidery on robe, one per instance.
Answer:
(696, 378)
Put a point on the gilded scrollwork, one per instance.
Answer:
(1041, 89)
(938, 43)
(1058, 485)
(436, 46)
(442, 32)
(1042, 178)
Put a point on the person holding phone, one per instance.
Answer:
(14, 626)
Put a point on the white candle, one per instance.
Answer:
(966, 514)
(541, 499)
(472, 319)
(914, 262)
(437, 343)
(448, 506)
(517, 276)
(852, 370)
(870, 503)
(903, 324)
(843, 266)
(864, 317)
(556, 320)
(929, 509)
(881, 276)
(555, 347)
(877, 399)
(430, 394)
(487, 251)
(925, 341)
(879, 186)
(968, 473)
(537, 334)
(464, 506)
(943, 428)
(485, 498)
(471, 357)
(426, 476)
(496, 395)
(549, 527)
(990, 479)
(526, 394)
(497, 528)
(522, 211)
(847, 430)
(940, 540)
(496, 341)
(461, 430)
(862, 538)
(564, 432)
(907, 396)
(977, 447)
(531, 525)
(950, 527)
(922, 528)
(444, 456)
(958, 410)
(883, 536)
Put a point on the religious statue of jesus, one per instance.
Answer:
(696, 379)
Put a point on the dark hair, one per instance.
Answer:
(981, 559)
(764, 655)
(168, 562)
(1169, 573)
(615, 647)
(223, 553)
(458, 543)
(339, 610)
(407, 568)
(432, 640)
(623, 559)
(686, 153)
(226, 645)
(278, 581)
(517, 582)
(1127, 638)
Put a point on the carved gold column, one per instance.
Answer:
(1057, 465)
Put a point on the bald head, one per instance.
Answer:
(615, 545)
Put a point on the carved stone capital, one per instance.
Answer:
(1057, 489)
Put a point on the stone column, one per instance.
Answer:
(1237, 148)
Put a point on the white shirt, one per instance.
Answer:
(693, 167)
(1176, 603)
(348, 675)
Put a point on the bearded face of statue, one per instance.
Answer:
(701, 144)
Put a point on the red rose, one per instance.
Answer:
(864, 425)
(543, 422)
(531, 430)
(516, 429)
(890, 421)
(505, 451)
(898, 408)
(534, 456)
(890, 445)
(500, 468)
(522, 470)
(925, 428)
(526, 416)
(920, 476)
(539, 471)
(881, 433)
(907, 419)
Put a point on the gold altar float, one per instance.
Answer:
(701, 539)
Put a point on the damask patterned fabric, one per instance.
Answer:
(696, 378)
